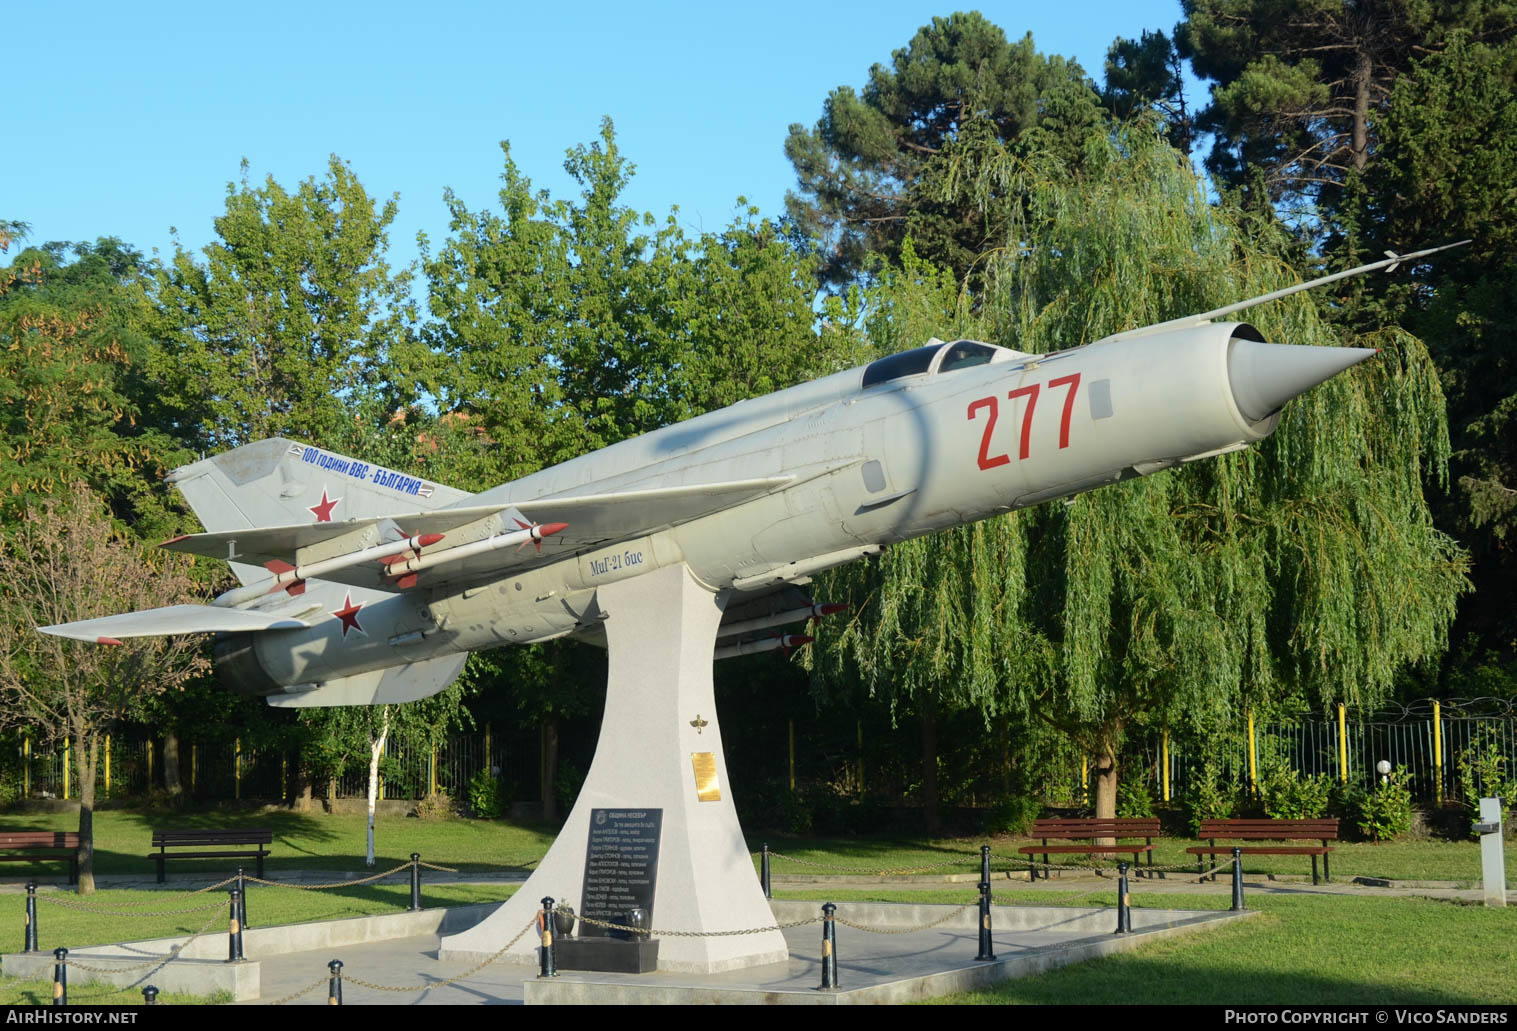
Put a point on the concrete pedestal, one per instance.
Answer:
(660, 725)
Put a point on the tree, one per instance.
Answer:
(888, 163)
(344, 736)
(562, 326)
(1304, 569)
(292, 317)
(1446, 164)
(69, 360)
(11, 231)
(1146, 74)
(1300, 84)
(63, 563)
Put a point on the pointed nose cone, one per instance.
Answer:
(1265, 376)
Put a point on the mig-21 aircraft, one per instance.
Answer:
(363, 585)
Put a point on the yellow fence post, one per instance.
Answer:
(107, 766)
(237, 768)
(26, 766)
(860, 727)
(1342, 744)
(150, 745)
(1437, 753)
(1164, 762)
(791, 725)
(194, 768)
(1253, 757)
(1085, 779)
(432, 771)
(65, 767)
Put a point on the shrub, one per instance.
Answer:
(1386, 812)
(487, 796)
(1289, 796)
(1012, 815)
(434, 807)
(1209, 798)
(1484, 772)
(1133, 799)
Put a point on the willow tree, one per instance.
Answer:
(1305, 568)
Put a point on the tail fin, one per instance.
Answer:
(280, 482)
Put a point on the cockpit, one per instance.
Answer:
(933, 359)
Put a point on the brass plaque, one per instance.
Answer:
(706, 787)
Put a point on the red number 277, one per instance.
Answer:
(989, 405)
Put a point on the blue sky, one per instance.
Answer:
(127, 120)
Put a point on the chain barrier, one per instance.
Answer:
(169, 898)
(874, 869)
(336, 884)
(997, 900)
(173, 952)
(434, 866)
(906, 930)
(87, 908)
(1187, 870)
(350, 979)
(653, 932)
(307, 990)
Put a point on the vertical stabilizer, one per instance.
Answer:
(281, 482)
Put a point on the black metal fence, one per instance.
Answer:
(229, 770)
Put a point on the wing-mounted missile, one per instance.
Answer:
(807, 613)
(292, 578)
(784, 643)
(402, 569)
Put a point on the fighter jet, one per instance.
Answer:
(365, 585)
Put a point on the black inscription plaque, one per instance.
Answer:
(621, 866)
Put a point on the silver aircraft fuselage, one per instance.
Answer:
(910, 445)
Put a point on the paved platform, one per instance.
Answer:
(897, 965)
(400, 951)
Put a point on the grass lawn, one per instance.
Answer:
(1324, 949)
(302, 841)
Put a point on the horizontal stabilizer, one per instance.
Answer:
(175, 619)
(380, 687)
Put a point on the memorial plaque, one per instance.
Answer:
(621, 866)
(707, 787)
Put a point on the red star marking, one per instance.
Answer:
(349, 615)
(323, 511)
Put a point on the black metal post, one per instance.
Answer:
(764, 877)
(829, 950)
(149, 996)
(987, 949)
(234, 929)
(415, 882)
(242, 893)
(545, 958)
(1237, 879)
(31, 916)
(60, 976)
(334, 983)
(1124, 918)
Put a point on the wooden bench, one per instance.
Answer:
(1268, 830)
(219, 840)
(43, 846)
(1091, 828)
